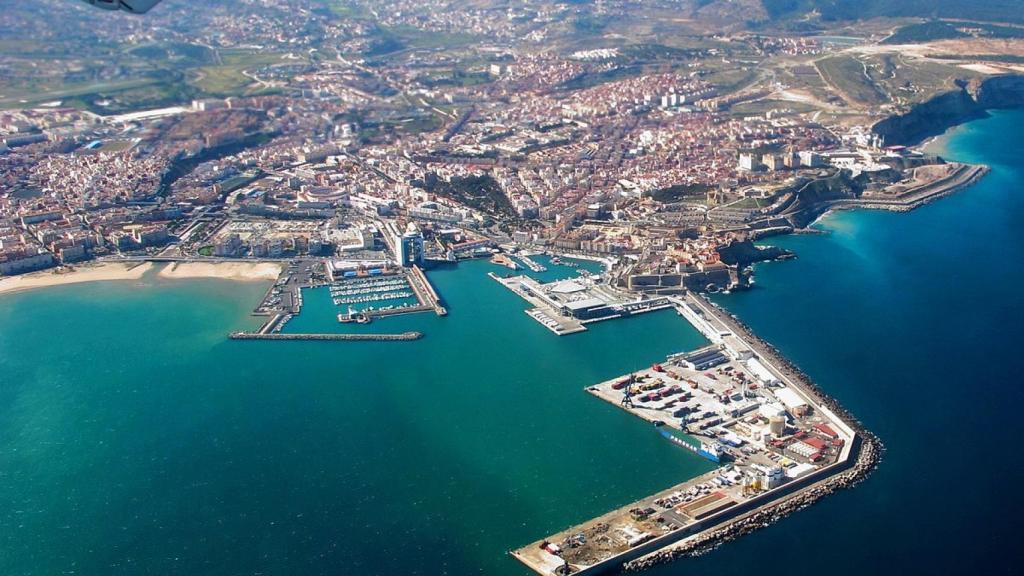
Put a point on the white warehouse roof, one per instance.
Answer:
(760, 371)
(790, 398)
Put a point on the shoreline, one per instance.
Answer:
(967, 176)
(949, 109)
(89, 272)
(870, 450)
(133, 271)
(226, 270)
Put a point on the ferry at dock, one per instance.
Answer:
(709, 450)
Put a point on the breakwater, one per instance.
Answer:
(661, 536)
(868, 456)
(404, 336)
(784, 365)
(963, 177)
(868, 449)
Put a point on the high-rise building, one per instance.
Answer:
(809, 159)
(749, 163)
(774, 162)
(791, 159)
(228, 247)
(410, 247)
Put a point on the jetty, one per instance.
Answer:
(531, 264)
(425, 292)
(402, 337)
(399, 311)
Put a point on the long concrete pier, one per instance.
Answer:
(425, 293)
(405, 336)
(396, 311)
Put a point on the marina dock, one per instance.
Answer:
(384, 288)
(531, 264)
(283, 300)
(397, 311)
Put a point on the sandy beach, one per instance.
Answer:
(107, 271)
(239, 271)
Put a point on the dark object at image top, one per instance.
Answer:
(133, 6)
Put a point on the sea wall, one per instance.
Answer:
(805, 210)
(969, 101)
(866, 453)
(800, 496)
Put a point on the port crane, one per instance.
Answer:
(627, 398)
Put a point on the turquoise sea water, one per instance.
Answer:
(320, 313)
(136, 439)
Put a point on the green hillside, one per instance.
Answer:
(991, 10)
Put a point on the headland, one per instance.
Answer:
(968, 100)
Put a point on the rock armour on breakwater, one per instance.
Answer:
(969, 176)
(869, 456)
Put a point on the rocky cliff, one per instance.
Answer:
(744, 253)
(969, 101)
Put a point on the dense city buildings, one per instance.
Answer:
(507, 128)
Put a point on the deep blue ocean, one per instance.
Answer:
(136, 439)
(915, 322)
